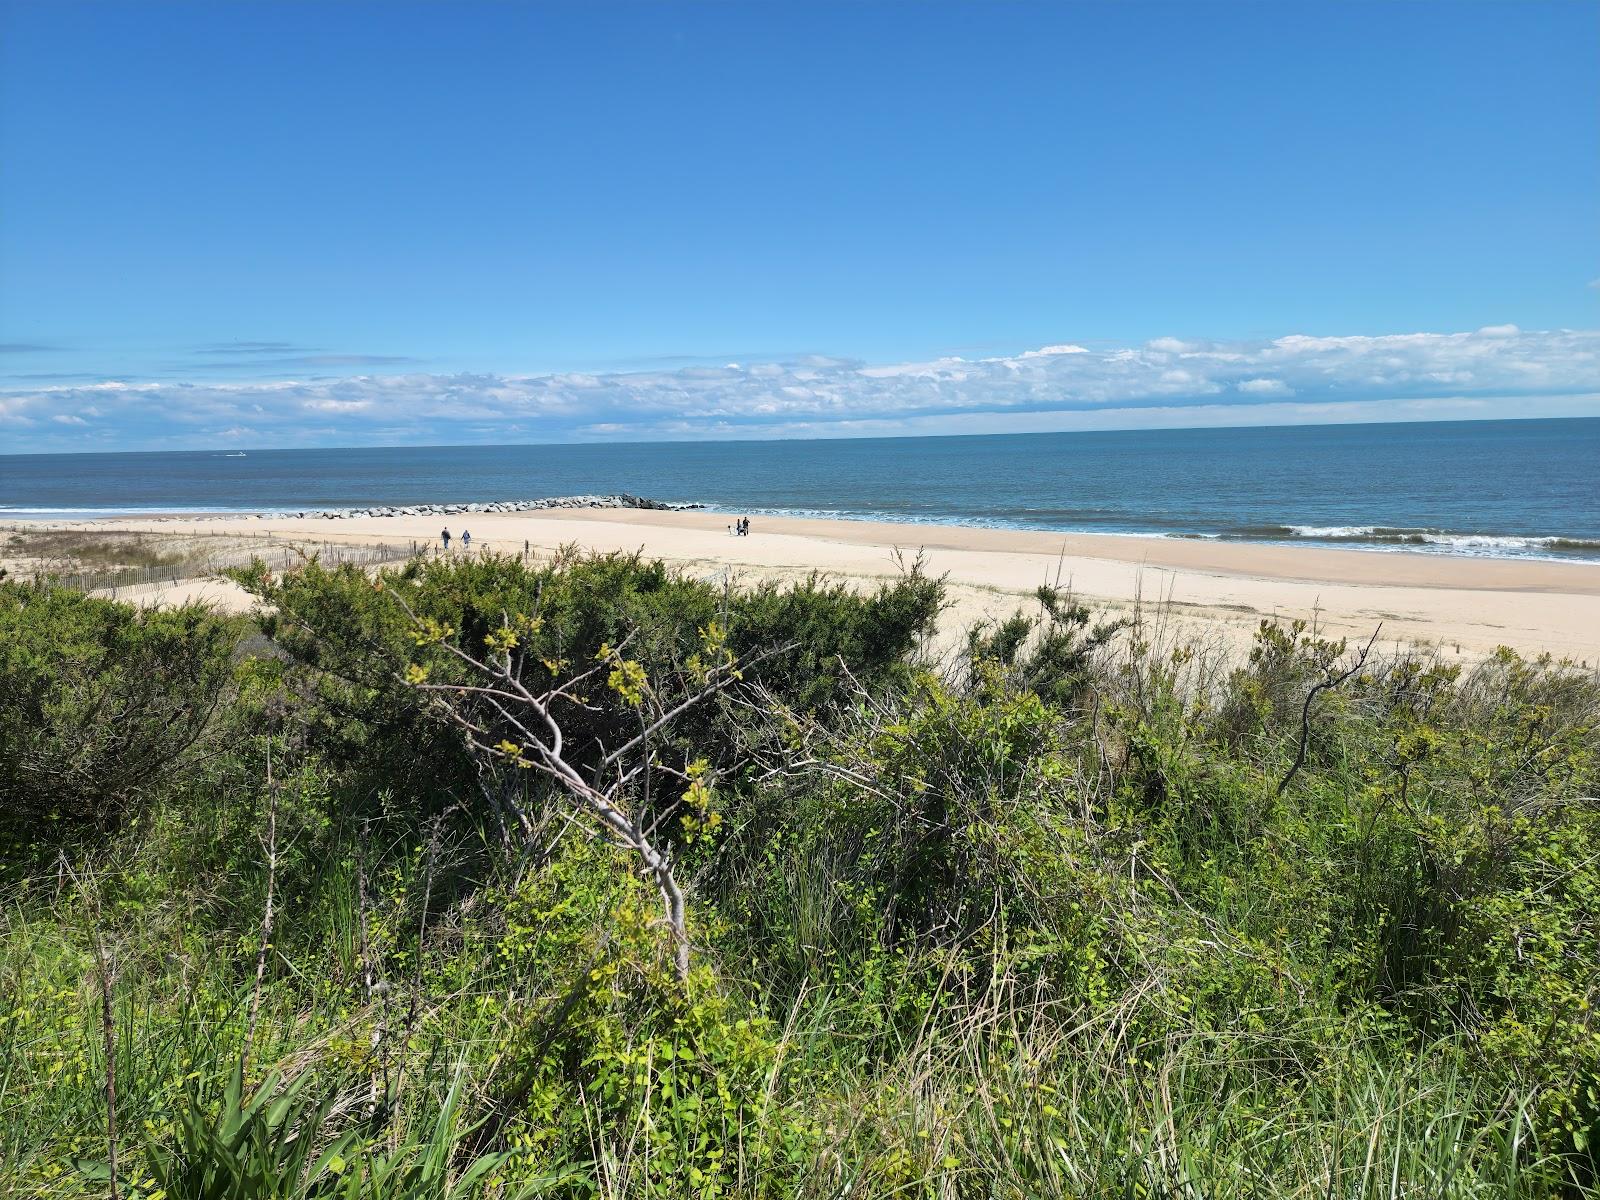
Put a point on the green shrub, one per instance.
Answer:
(1061, 923)
(800, 643)
(102, 705)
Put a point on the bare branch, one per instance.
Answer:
(507, 703)
(262, 951)
(1326, 684)
(718, 679)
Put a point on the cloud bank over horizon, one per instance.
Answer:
(1496, 371)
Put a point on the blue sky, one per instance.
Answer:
(340, 223)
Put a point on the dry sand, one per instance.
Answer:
(1217, 591)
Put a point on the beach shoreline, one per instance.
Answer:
(1463, 606)
(1255, 558)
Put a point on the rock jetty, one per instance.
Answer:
(621, 500)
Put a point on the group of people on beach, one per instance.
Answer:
(740, 528)
(466, 539)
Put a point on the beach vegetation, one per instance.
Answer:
(102, 707)
(591, 878)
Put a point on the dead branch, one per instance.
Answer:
(540, 744)
(265, 948)
(1326, 684)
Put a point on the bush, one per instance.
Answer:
(1060, 922)
(800, 643)
(101, 706)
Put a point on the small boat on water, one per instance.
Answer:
(234, 454)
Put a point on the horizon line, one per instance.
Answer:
(903, 437)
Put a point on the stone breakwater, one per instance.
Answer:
(623, 500)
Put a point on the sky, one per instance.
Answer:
(340, 223)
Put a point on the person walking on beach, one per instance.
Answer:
(466, 539)
(445, 537)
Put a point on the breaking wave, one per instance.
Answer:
(1439, 540)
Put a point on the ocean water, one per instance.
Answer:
(1495, 488)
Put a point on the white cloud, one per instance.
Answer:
(1050, 351)
(1171, 345)
(1496, 371)
(1264, 387)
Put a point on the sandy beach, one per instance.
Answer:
(1207, 590)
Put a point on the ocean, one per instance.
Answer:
(1484, 488)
